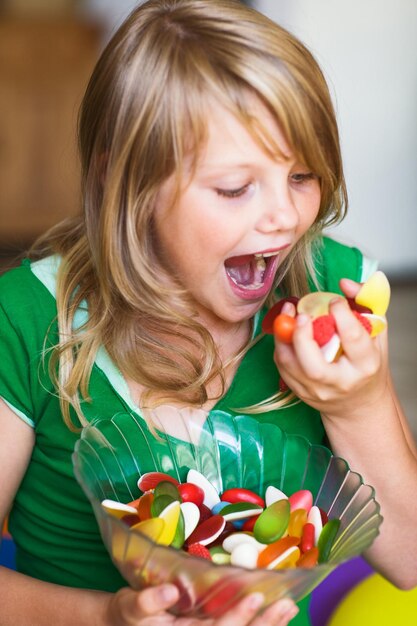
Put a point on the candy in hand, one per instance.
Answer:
(369, 307)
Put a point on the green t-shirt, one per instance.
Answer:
(52, 522)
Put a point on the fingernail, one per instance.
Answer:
(287, 308)
(167, 593)
(291, 613)
(301, 319)
(286, 606)
(255, 600)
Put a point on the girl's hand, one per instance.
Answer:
(148, 608)
(357, 379)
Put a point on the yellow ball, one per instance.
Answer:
(375, 602)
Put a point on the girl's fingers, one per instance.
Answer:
(349, 287)
(278, 614)
(128, 606)
(243, 613)
(356, 342)
(307, 351)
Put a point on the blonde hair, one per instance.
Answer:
(144, 111)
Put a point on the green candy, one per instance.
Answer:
(166, 488)
(326, 539)
(273, 522)
(219, 555)
(160, 503)
(179, 536)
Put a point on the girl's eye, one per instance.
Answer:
(303, 177)
(232, 193)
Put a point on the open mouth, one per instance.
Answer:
(251, 275)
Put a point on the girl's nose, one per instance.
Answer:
(278, 211)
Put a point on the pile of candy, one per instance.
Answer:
(369, 307)
(236, 527)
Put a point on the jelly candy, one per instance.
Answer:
(302, 499)
(298, 519)
(191, 493)
(238, 494)
(273, 522)
(170, 515)
(274, 550)
(191, 516)
(244, 555)
(211, 497)
(151, 479)
(326, 539)
(208, 531)
(240, 510)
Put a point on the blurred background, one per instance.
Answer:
(368, 53)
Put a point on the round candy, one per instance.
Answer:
(191, 493)
(235, 539)
(244, 555)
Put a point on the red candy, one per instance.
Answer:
(191, 493)
(238, 494)
(284, 326)
(197, 549)
(274, 311)
(302, 499)
(208, 531)
(307, 538)
(151, 479)
(275, 536)
(324, 327)
(364, 321)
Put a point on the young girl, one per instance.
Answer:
(211, 165)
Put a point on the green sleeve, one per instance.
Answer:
(14, 370)
(26, 313)
(334, 261)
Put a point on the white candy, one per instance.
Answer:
(211, 497)
(331, 348)
(244, 555)
(236, 539)
(191, 515)
(314, 517)
(272, 494)
(112, 506)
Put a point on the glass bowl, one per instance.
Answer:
(230, 451)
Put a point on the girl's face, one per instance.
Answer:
(237, 218)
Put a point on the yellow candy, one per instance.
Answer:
(375, 294)
(152, 528)
(378, 323)
(298, 518)
(118, 509)
(170, 515)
